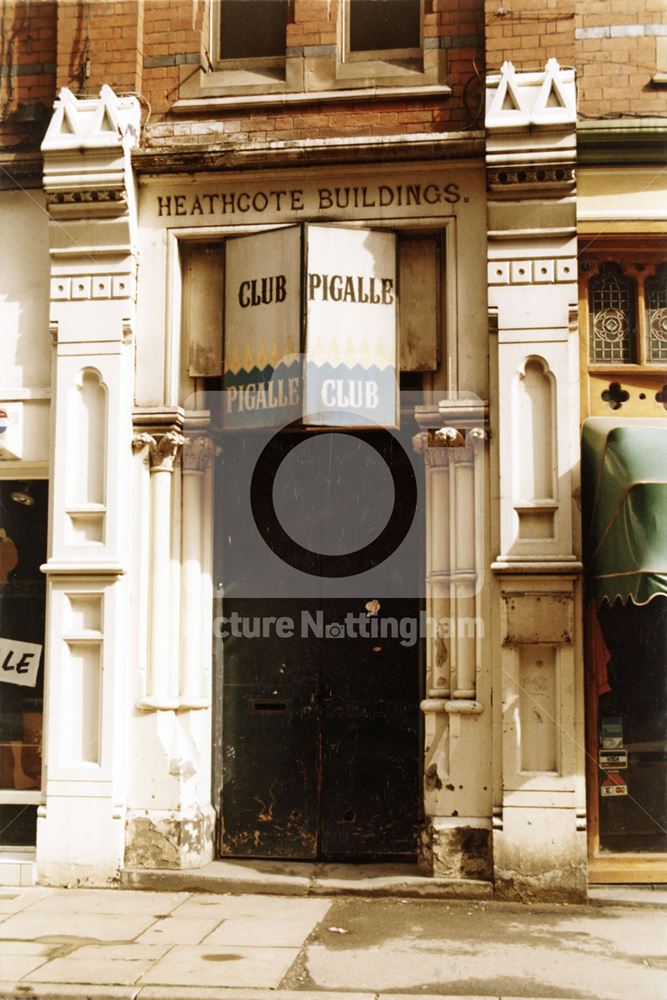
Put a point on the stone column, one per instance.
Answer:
(457, 777)
(90, 198)
(170, 819)
(539, 821)
(162, 681)
(198, 455)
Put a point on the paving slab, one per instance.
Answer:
(272, 921)
(229, 993)
(117, 965)
(484, 949)
(186, 929)
(61, 991)
(202, 965)
(25, 948)
(18, 966)
(84, 928)
(11, 901)
(277, 907)
(105, 901)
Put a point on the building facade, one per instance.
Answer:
(254, 273)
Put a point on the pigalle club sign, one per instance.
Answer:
(310, 327)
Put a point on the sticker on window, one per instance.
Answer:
(612, 733)
(19, 662)
(614, 784)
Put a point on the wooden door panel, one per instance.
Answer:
(270, 743)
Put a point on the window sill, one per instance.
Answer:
(284, 98)
(377, 69)
(251, 79)
(238, 76)
(655, 368)
(311, 74)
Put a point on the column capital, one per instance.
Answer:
(163, 449)
(198, 453)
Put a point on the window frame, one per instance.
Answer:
(371, 61)
(246, 70)
(639, 265)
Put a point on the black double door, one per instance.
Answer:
(320, 716)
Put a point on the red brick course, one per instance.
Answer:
(147, 48)
(614, 73)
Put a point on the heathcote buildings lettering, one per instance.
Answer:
(298, 200)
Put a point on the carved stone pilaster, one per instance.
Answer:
(199, 453)
(538, 850)
(452, 440)
(89, 184)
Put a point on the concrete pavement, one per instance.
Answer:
(139, 945)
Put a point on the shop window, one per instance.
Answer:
(251, 29)
(627, 312)
(23, 521)
(381, 26)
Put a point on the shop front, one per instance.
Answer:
(334, 613)
(312, 575)
(625, 492)
(23, 523)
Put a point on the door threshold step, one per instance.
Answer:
(295, 878)
(17, 868)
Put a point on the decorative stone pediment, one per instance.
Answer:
(531, 137)
(87, 154)
(522, 100)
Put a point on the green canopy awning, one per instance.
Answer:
(624, 481)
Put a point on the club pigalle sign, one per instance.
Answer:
(310, 327)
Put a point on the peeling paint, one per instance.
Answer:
(161, 840)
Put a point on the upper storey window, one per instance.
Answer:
(251, 29)
(273, 47)
(656, 315)
(383, 26)
(612, 300)
(627, 311)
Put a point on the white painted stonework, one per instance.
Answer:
(92, 238)
(131, 685)
(539, 813)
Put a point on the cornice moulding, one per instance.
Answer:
(312, 152)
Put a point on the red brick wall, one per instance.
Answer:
(528, 32)
(615, 68)
(315, 22)
(145, 48)
(175, 33)
(28, 64)
(99, 42)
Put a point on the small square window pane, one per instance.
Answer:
(384, 24)
(252, 29)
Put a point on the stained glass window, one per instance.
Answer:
(656, 316)
(612, 316)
